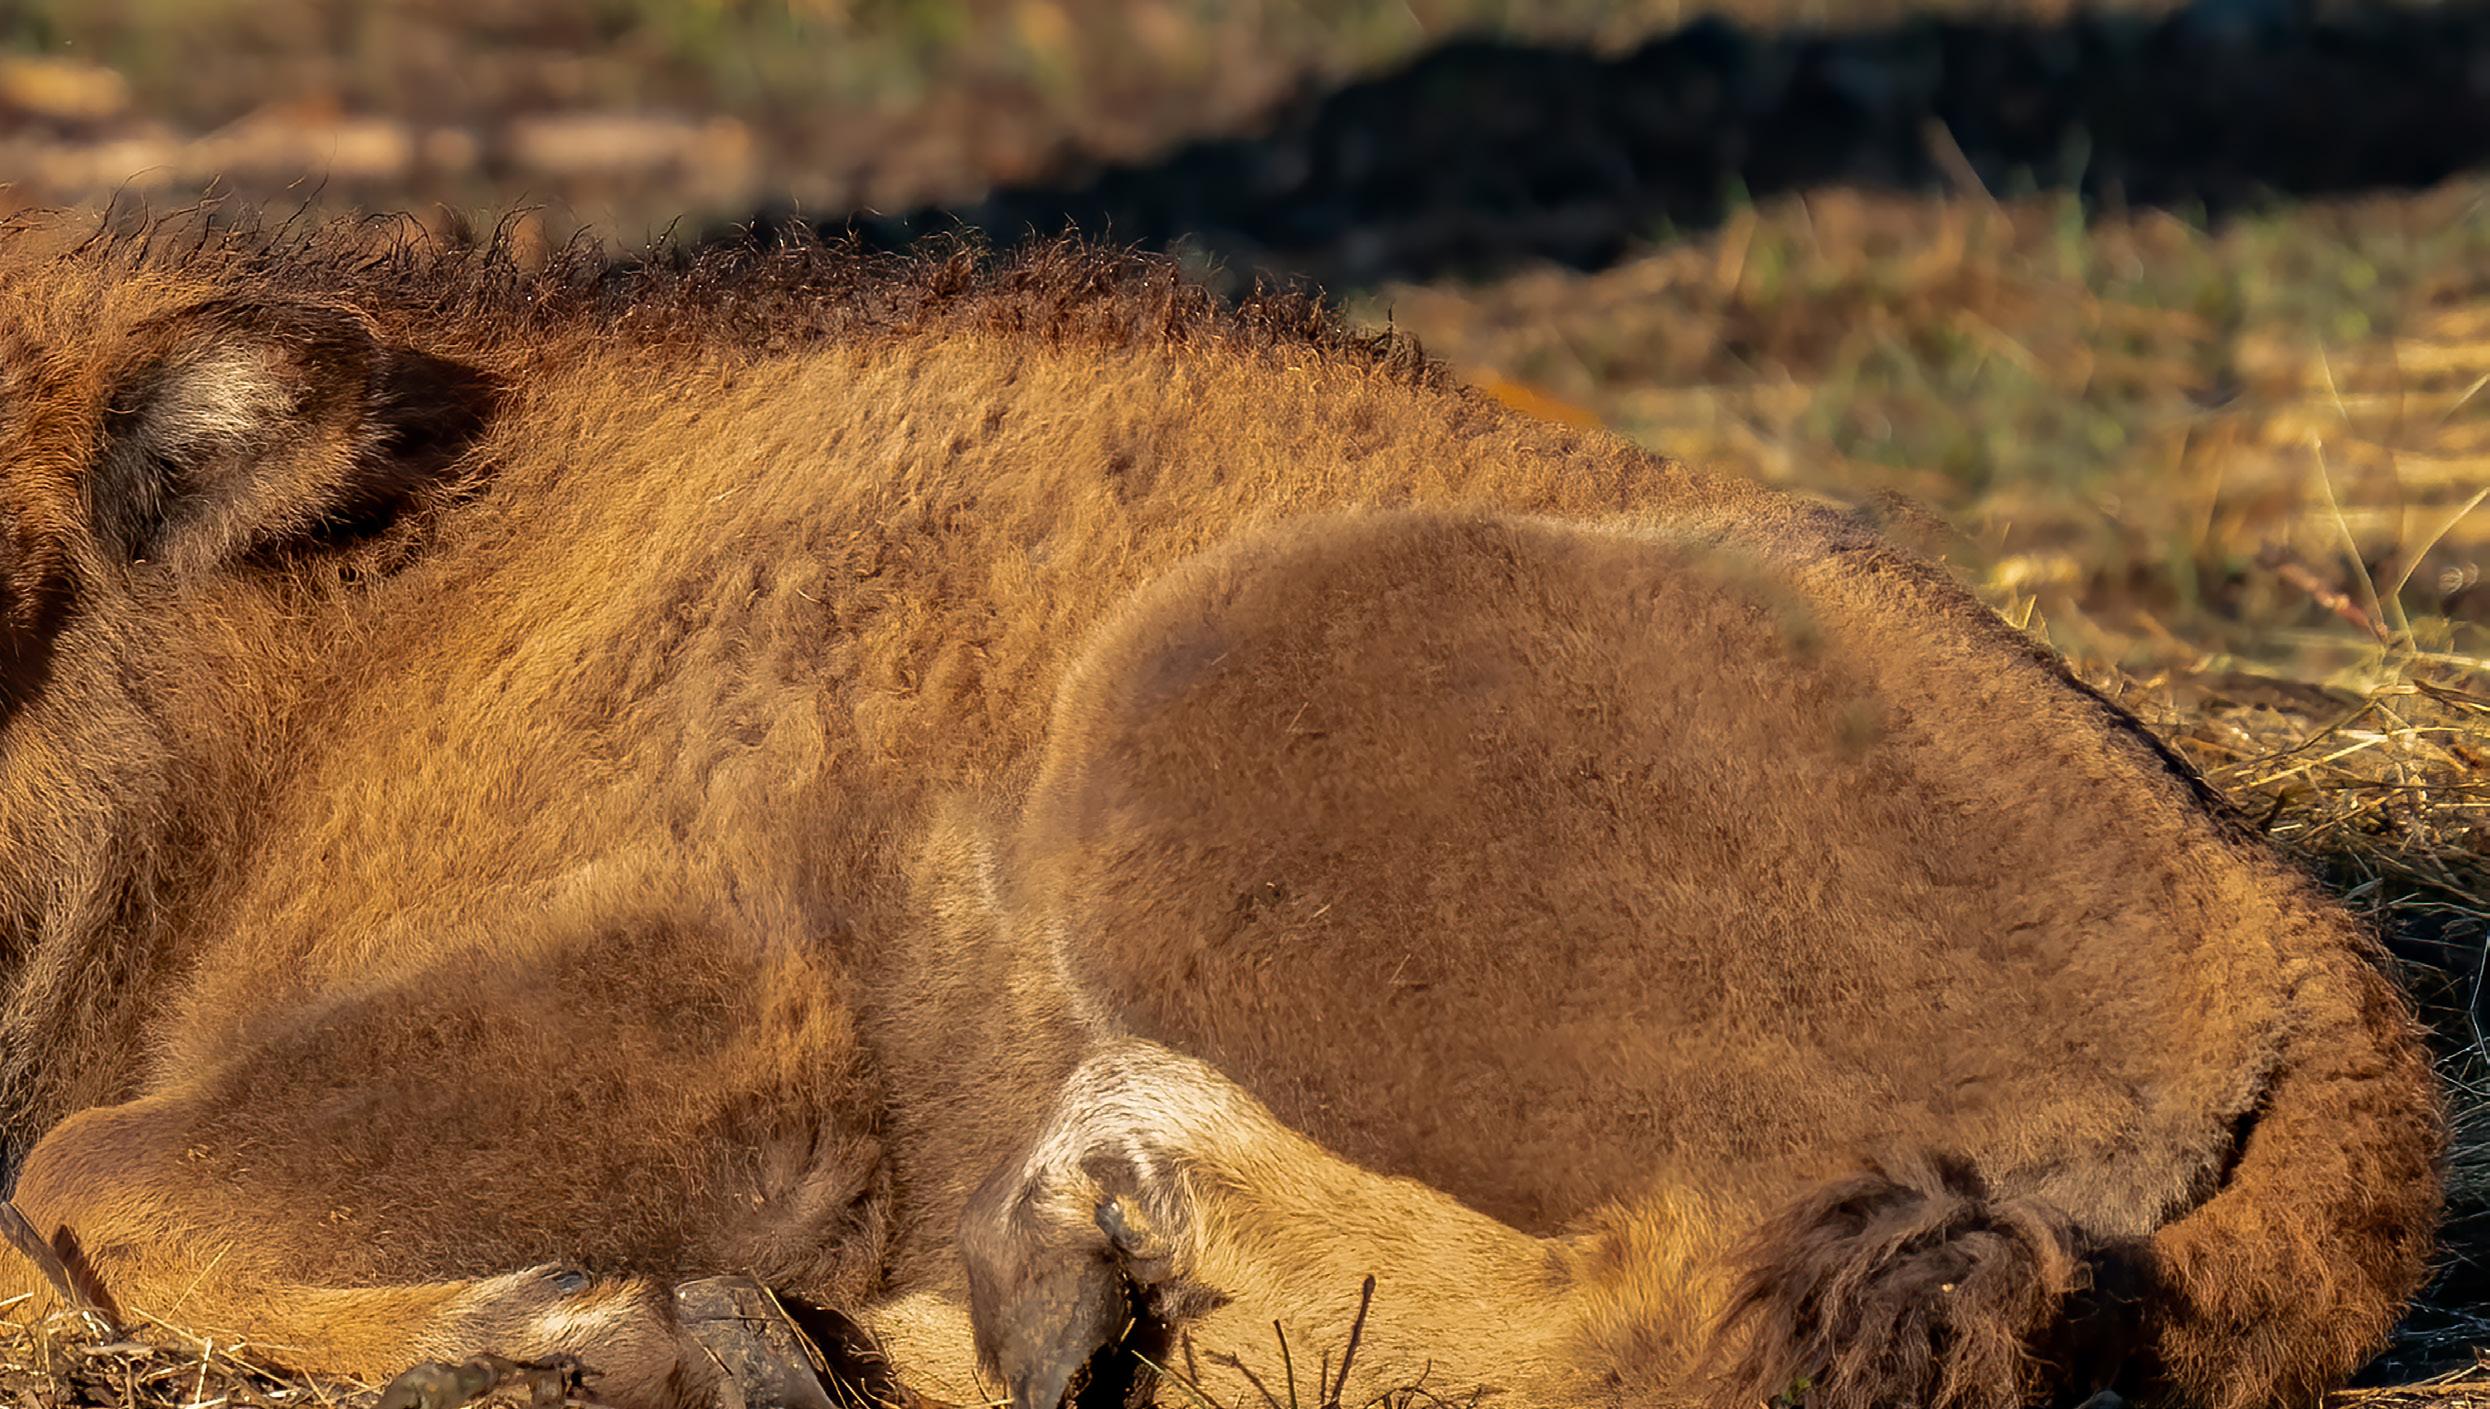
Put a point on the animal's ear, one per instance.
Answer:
(256, 425)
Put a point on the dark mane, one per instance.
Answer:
(776, 288)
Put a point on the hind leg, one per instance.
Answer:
(1159, 1184)
(924, 1343)
(518, 1156)
(151, 1255)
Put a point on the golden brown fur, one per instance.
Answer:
(948, 789)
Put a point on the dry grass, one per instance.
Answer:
(2467, 1387)
(2258, 446)
(66, 1361)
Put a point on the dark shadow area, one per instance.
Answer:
(1483, 154)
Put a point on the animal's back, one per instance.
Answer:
(706, 608)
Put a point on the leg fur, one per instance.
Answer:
(1155, 1173)
(518, 1157)
(929, 1346)
(1155, 1168)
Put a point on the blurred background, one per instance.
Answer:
(2179, 312)
(2168, 324)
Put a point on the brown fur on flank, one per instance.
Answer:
(952, 786)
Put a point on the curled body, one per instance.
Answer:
(987, 797)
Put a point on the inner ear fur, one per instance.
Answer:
(259, 425)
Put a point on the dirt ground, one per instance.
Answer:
(2168, 326)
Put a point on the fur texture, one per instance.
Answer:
(521, 787)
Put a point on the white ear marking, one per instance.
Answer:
(219, 396)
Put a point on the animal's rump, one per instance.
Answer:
(1694, 859)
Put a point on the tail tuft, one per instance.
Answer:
(1908, 1285)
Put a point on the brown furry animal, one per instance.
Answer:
(975, 795)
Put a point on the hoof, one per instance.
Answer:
(1093, 1236)
(1062, 1274)
(763, 1360)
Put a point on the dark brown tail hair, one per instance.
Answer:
(1910, 1285)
